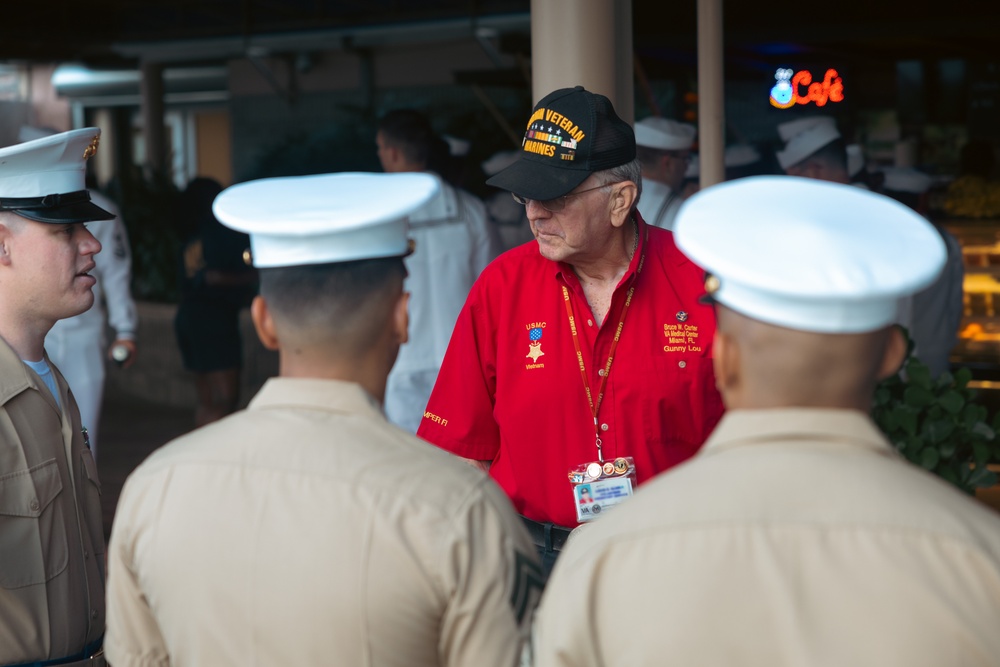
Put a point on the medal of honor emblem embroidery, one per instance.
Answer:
(535, 346)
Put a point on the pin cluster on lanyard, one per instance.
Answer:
(599, 485)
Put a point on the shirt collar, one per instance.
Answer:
(318, 394)
(15, 376)
(851, 428)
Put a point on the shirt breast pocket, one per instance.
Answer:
(33, 543)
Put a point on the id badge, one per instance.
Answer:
(597, 487)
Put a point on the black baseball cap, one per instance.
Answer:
(571, 134)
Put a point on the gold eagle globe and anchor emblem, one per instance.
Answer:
(91, 149)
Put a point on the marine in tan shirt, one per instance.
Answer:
(308, 530)
(798, 535)
(51, 537)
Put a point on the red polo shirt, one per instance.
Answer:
(510, 389)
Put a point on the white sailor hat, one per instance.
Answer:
(736, 155)
(499, 161)
(807, 254)
(740, 155)
(664, 134)
(855, 159)
(325, 219)
(44, 179)
(906, 179)
(803, 137)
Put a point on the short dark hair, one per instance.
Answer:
(344, 301)
(411, 133)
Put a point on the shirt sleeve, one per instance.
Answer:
(459, 415)
(133, 637)
(115, 265)
(495, 583)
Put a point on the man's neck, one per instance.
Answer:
(26, 340)
(612, 265)
(367, 372)
(600, 277)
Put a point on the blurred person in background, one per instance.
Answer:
(216, 284)
(663, 148)
(454, 243)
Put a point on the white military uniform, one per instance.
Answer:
(797, 535)
(658, 204)
(508, 217)
(794, 537)
(455, 242)
(78, 345)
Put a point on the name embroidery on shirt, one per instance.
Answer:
(435, 418)
(682, 337)
(535, 331)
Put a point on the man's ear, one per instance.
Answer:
(622, 199)
(726, 364)
(894, 353)
(264, 323)
(401, 318)
(6, 235)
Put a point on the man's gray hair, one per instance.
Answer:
(630, 171)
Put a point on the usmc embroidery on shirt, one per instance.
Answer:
(681, 335)
(535, 332)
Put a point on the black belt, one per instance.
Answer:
(93, 654)
(547, 535)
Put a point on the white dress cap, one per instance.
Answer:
(664, 134)
(44, 179)
(803, 137)
(326, 218)
(807, 254)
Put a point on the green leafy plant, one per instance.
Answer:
(149, 209)
(938, 425)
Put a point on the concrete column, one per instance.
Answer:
(586, 43)
(153, 128)
(711, 109)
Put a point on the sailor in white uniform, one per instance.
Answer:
(663, 148)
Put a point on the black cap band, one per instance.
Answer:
(48, 201)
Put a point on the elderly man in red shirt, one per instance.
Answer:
(582, 359)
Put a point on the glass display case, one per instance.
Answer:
(978, 347)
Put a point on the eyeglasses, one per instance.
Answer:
(559, 203)
(683, 156)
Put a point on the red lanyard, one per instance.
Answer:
(595, 406)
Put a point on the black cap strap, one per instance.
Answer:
(48, 201)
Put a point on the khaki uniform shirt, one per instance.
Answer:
(307, 530)
(51, 537)
(795, 537)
